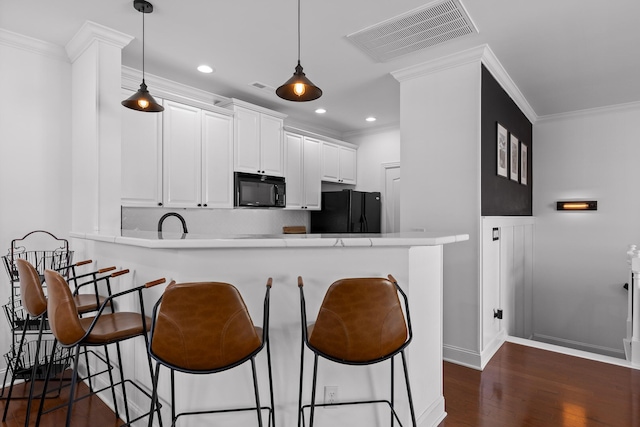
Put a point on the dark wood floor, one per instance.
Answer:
(521, 386)
(525, 386)
(90, 412)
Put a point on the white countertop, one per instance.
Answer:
(168, 240)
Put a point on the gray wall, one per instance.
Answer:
(579, 257)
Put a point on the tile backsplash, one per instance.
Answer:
(215, 221)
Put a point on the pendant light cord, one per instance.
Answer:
(298, 31)
(143, 46)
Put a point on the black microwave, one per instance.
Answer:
(259, 191)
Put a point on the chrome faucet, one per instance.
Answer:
(177, 215)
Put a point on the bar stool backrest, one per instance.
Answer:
(62, 312)
(31, 293)
(360, 320)
(203, 326)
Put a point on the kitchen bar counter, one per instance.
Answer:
(415, 259)
(166, 240)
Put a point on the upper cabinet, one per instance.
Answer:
(141, 156)
(258, 139)
(197, 157)
(338, 163)
(302, 171)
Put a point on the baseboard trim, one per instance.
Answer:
(433, 415)
(572, 352)
(462, 356)
(492, 348)
(577, 345)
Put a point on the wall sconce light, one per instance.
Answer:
(580, 205)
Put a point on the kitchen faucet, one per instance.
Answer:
(168, 214)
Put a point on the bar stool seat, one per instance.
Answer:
(86, 303)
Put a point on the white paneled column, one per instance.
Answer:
(96, 57)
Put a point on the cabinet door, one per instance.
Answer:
(247, 140)
(312, 173)
(182, 158)
(347, 165)
(293, 152)
(141, 157)
(330, 162)
(271, 146)
(217, 160)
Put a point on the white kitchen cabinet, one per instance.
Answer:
(258, 139)
(141, 173)
(302, 171)
(338, 163)
(217, 158)
(197, 157)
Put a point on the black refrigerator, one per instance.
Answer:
(347, 211)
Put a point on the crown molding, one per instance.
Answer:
(90, 32)
(232, 102)
(630, 106)
(311, 134)
(479, 54)
(371, 131)
(29, 44)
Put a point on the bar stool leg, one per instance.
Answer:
(36, 366)
(272, 419)
(154, 395)
(15, 367)
(406, 378)
(74, 379)
(173, 398)
(113, 389)
(392, 390)
(46, 382)
(313, 388)
(300, 414)
(255, 388)
(124, 388)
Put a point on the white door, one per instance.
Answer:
(391, 198)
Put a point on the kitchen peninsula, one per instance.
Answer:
(246, 261)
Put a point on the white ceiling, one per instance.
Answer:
(564, 55)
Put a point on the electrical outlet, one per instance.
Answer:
(330, 394)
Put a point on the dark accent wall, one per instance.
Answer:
(502, 196)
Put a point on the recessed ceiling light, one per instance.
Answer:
(321, 111)
(205, 69)
(370, 119)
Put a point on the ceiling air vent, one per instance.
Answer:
(262, 87)
(418, 29)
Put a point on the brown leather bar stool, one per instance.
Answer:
(204, 328)
(34, 302)
(360, 322)
(72, 331)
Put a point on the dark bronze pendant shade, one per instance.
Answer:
(142, 99)
(299, 87)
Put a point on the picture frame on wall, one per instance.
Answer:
(514, 158)
(502, 151)
(524, 172)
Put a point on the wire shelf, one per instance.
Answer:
(27, 360)
(17, 318)
(56, 259)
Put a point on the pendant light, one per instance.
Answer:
(142, 99)
(299, 87)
